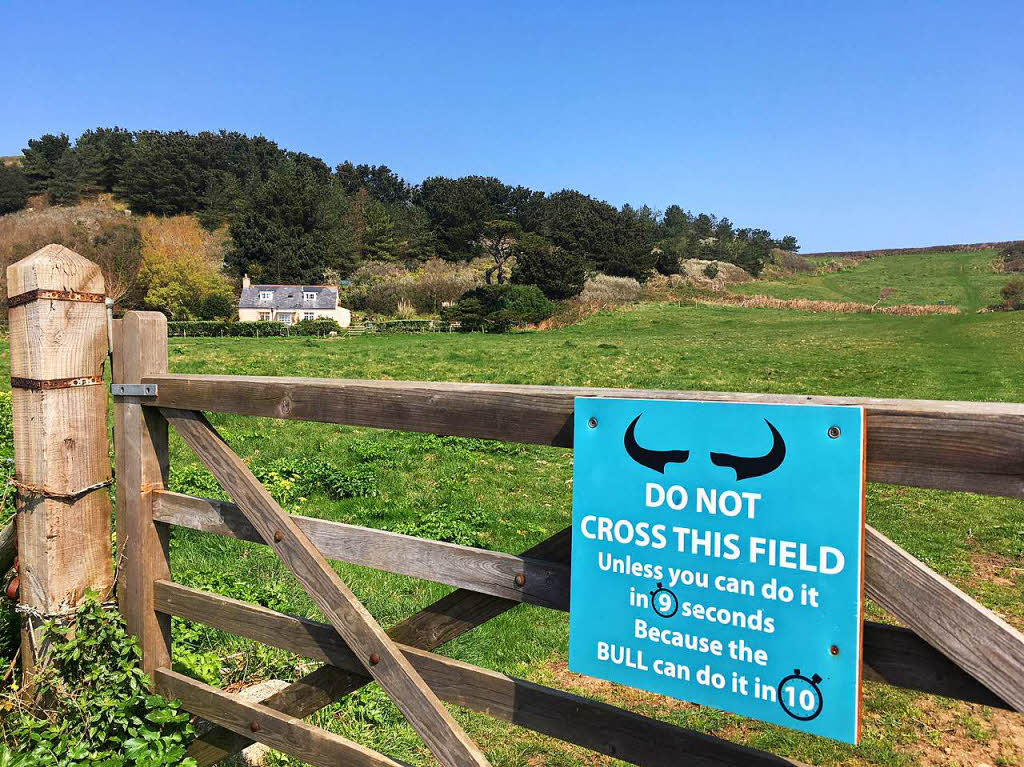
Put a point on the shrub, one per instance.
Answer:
(381, 288)
(198, 329)
(607, 289)
(437, 283)
(98, 233)
(711, 270)
(405, 310)
(99, 710)
(790, 262)
(13, 188)
(1012, 257)
(322, 326)
(558, 273)
(216, 306)
(1013, 295)
(383, 297)
(497, 308)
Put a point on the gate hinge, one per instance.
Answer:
(133, 390)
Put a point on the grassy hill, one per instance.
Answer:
(965, 279)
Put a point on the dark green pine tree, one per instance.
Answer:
(13, 188)
(40, 158)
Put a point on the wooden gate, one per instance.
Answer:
(953, 646)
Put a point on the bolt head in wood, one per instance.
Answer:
(834, 432)
(278, 536)
(520, 580)
(255, 726)
(592, 423)
(374, 659)
(834, 649)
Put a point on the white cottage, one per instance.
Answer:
(290, 303)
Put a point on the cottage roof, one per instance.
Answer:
(289, 297)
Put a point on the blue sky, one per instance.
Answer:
(849, 125)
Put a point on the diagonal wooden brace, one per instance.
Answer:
(382, 659)
(446, 619)
(968, 633)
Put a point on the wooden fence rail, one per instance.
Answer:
(971, 446)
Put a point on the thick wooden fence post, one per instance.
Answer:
(140, 442)
(58, 331)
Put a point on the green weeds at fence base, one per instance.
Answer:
(94, 707)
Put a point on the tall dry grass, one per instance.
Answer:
(604, 289)
(98, 230)
(834, 307)
(391, 289)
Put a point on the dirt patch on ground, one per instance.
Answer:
(967, 735)
(599, 689)
(992, 568)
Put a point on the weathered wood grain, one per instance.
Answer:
(8, 546)
(899, 657)
(435, 725)
(600, 727)
(60, 437)
(142, 462)
(285, 733)
(970, 446)
(967, 632)
(441, 622)
(488, 572)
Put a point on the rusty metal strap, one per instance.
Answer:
(45, 384)
(30, 489)
(40, 294)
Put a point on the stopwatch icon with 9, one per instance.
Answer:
(664, 602)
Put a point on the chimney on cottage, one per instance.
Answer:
(245, 281)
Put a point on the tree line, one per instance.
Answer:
(292, 218)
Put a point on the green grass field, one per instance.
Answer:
(508, 497)
(963, 279)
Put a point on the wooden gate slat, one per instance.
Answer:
(594, 725)
(142, 465)
(490, 572)
(435, 725)
(285, 733)
(8, 547)
(972, 446)
(978, 640)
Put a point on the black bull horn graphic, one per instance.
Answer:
(745, 467)
(652, 459)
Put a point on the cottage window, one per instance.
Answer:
(266, 295)
(308, 296)
(285, 317)
(308, 315)
(264, 316)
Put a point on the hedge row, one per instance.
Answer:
(216, 328)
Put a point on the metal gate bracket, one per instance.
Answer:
(133, 390)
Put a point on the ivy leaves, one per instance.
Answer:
(98, 710)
